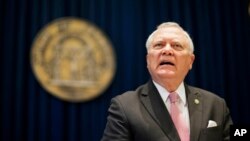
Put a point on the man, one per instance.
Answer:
(165, 108)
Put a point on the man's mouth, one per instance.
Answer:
(166, 63)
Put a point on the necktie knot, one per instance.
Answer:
(174, 97)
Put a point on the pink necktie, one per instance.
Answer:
(178, 120)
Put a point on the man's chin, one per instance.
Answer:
(167, 74)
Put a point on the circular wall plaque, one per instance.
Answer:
(73, 60)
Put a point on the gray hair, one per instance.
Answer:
(170, 24)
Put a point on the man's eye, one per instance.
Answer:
(158, 45)
(177, 46)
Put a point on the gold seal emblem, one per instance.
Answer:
(72, 59)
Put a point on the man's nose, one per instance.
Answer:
(167, 50)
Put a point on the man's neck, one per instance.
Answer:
(169, 85)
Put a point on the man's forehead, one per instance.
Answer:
(172, 32)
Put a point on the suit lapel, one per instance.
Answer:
(152, 101)
(195, 102)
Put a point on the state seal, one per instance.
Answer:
(73, 59)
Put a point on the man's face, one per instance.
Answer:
(169, 56)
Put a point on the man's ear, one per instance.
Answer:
(191, 61)
(147, 59)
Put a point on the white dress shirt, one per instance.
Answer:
(183, 106)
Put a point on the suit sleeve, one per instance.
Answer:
(227, 122)
(117, 128)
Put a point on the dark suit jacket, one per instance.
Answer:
(141, 115)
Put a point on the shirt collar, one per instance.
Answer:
(164, 93)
